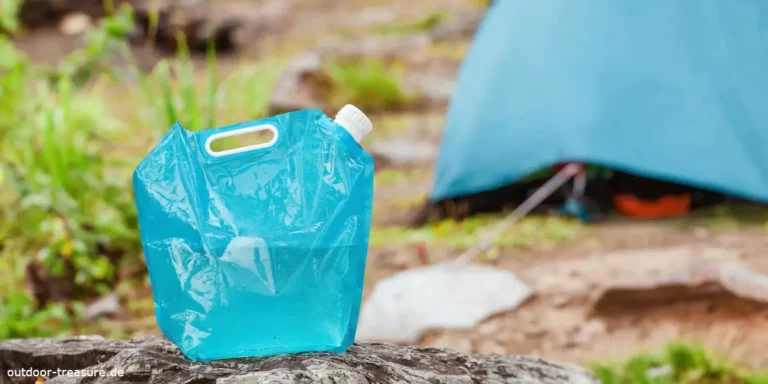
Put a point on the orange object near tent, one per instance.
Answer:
(665, 206)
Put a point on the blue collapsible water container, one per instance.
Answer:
(258, 250)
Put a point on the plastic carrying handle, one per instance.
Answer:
(236, 131)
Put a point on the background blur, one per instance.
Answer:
(87, 87)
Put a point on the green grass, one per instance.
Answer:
(61, 194)
(678, 363)
(171, 92)
(19, 314)
(9, 21)
(244, 94)
(390, 176)
(532, 231)
(66, 161)
(65, 204)
(369, 84)
(728, 217)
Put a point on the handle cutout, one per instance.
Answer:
(241, 140)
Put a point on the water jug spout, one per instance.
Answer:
(354, 121)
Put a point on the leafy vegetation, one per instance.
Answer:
(9, 11)
(678, 363)
(175, 93)
(61, 194)
(19, 314)
(64, 174)
(171, 91)
(244, 94)
(369, 84)
(66, 207)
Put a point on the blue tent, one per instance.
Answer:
(670, 89)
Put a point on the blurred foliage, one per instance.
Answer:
(244, 94)
(19, 314)
(64, 205)
(171, 90)
(9, 16)
(424, 24)
(679, 363)
(67, 204)
(61, 196)
(530, 232)
(369, 84)
(728, 217)
(389, 176)
(20, 317)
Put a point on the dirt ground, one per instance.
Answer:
(559, 321)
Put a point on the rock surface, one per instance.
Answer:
(720, 278)
(155, 360)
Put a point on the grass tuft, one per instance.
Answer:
(678, 363)
(369, 84)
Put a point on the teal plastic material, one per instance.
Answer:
(261, 252)
(669, 89)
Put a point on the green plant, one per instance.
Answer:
(9, 16)
(678, 363)
(244, 94)
(19, 314)
(369, 84)
(20, 317)
(171, 93)
(61, 195)
(73, 208)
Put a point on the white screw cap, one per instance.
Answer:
(354, 121)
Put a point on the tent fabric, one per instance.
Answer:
(670, 89)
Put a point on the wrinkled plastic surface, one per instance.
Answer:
(261, 252)
(669, 89)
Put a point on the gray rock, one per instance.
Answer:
(106, 305)
(155, 360)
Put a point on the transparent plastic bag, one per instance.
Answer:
(260, 250)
